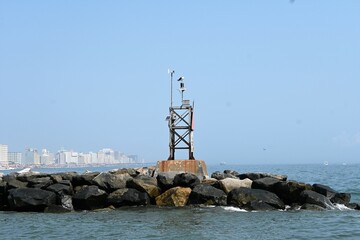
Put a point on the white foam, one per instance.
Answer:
(234, 209)
(341, 207)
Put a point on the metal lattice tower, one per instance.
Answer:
(180, 122)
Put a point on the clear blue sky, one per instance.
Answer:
(277, 75)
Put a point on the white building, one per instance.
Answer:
(106, 156)
(31, 157)
(46, 157)
(14, 157)
(4, 155)
(93, 157)
(66, 157)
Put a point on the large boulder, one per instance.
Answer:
(148, 171)
(30, 199)
(229, 184)
(312, 197)
(230, 174)
(177, 197)
(324, 190)
(166, 180)
(64, 205)
(208, 195)
(89, 198)
(67, 175)
(14, 183)
(334, 196)
(217, 175)
(255, 176)
(111, 182)
(341, 198)
(3, 195)
(40, 182)
(145, 184)
(212, 182)
(28, 176)
(84, 179)
(61, 189)
(186, 180)
(56, 178)
(131, 171)
(266, 183)
(254, 199)
(128, 197)
(289, 192)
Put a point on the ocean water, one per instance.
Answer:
(203, 222)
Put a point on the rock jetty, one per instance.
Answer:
(70, 191)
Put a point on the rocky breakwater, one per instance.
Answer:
(70, 191)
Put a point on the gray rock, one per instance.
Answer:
(228, 184)
(245, 198)
(166, 180)
(266, 183)
(354, 206)
(251, 176)
(28, 176)
(3, 195)
(315, 198)
(334, 196)
(61, 189)
(111, 182)
(40, 182)
(132, 172)
(255, 176)
(230, 174)
(56, 209)
(84, 179)
(259, 206)
(146, 184)
(14, 183)
(67, 175)
(312, 207)
(128, 197)
(186, 180)
(324, 190)
(289, 192)
(30, 199)
(56, 178)
(341, 198)
(218, 175)
(89, 198)
(66, 202)
(208, 195)
(212, 182)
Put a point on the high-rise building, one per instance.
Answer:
(14, 157)
(31, 157)
(66, 157)
(46, 157)
(4, 155)
(106, 156)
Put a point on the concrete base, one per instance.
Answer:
(197, 167)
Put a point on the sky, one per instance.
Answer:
(273, 81)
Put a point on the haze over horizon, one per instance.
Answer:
(273, 82)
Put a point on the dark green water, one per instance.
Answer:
(206, 222)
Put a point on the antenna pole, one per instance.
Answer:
(171, 87)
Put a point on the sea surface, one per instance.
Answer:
(202, 222)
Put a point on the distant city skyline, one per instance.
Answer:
(277, 75)
(45, 157)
